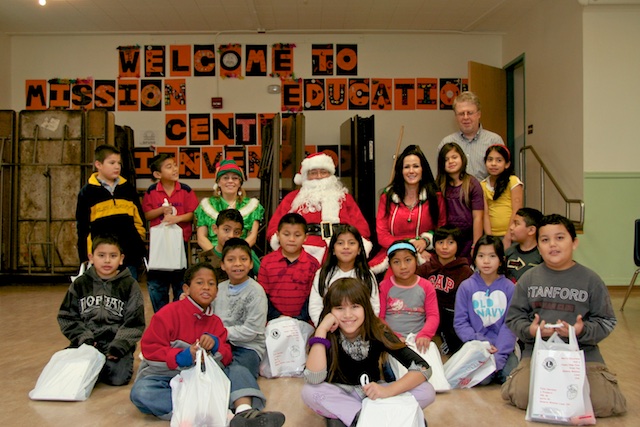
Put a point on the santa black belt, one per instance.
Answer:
(324, 229)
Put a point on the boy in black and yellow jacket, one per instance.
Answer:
(109, 205)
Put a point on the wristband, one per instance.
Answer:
(317, 340)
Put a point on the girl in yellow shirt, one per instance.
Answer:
(503, 193)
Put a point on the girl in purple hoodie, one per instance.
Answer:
(481, 306)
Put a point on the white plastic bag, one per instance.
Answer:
(200, 397)
(558, 386)
(166, 248)
(286, 341)
(70, 375)
(84, 266)
(470, 365)
(432, 357)
(402, 410)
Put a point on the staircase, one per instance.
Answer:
(574, 208)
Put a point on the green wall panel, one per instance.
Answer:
(612, 204)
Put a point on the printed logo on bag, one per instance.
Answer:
(275, 334)
(549, 364)
(572, 391)
(294, 350)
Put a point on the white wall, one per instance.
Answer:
(611, 88)
(550, 37)
(391, 56)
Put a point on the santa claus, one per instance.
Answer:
(323, 202)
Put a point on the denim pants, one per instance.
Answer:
(159, 283)
(152, 394)
(243, 373)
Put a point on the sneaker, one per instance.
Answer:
(254, 418)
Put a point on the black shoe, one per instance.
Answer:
(254, 418)
(335, 422)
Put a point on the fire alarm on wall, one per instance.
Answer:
(216, 103)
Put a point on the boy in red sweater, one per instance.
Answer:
(446, 272)
(170, 342)
(287, 273)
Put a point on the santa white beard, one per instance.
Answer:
(325, 195)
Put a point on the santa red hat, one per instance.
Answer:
(314, 161)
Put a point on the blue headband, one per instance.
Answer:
(401, 245)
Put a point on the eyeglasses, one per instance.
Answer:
(466, 113)
(318, 173)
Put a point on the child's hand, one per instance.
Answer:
(328, 324)
(206, 342)
(170, 219)
(167, 210)
(193, 348)
(375, 391)
(563, 331)
(423, 344)
(544, 332)
(112, 357)
(493, 349)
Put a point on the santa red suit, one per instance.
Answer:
(323, 203)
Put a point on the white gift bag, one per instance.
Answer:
(470, 365)
(286, 341)
(402, 410)
(432, 357)
(83, 267)
(200, 397)
(70, 375)
(166, 248)
(558, 386)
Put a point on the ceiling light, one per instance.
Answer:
(42, 2)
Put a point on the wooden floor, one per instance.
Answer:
(29, 335)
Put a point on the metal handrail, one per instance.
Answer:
(544, 171)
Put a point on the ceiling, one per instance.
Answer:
(27, 17)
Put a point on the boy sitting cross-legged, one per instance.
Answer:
(170, 342)
(104, 308)
(242, 306)
(563, 292)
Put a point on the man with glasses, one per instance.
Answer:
(323, 202)
(472, 137)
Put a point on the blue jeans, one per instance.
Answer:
(158, 284)
(243, 373)
(152, 395)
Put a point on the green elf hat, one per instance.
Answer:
(227, 166)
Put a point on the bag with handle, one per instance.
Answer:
(470, 365)
(432, 357)
(558, 386)
(166, 248)
(286, 340)
(200, 395)
(70, 375)
(401, 410)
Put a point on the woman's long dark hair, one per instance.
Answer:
(331, 261)
(427, 183)
(373, 329)
(502, 182)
